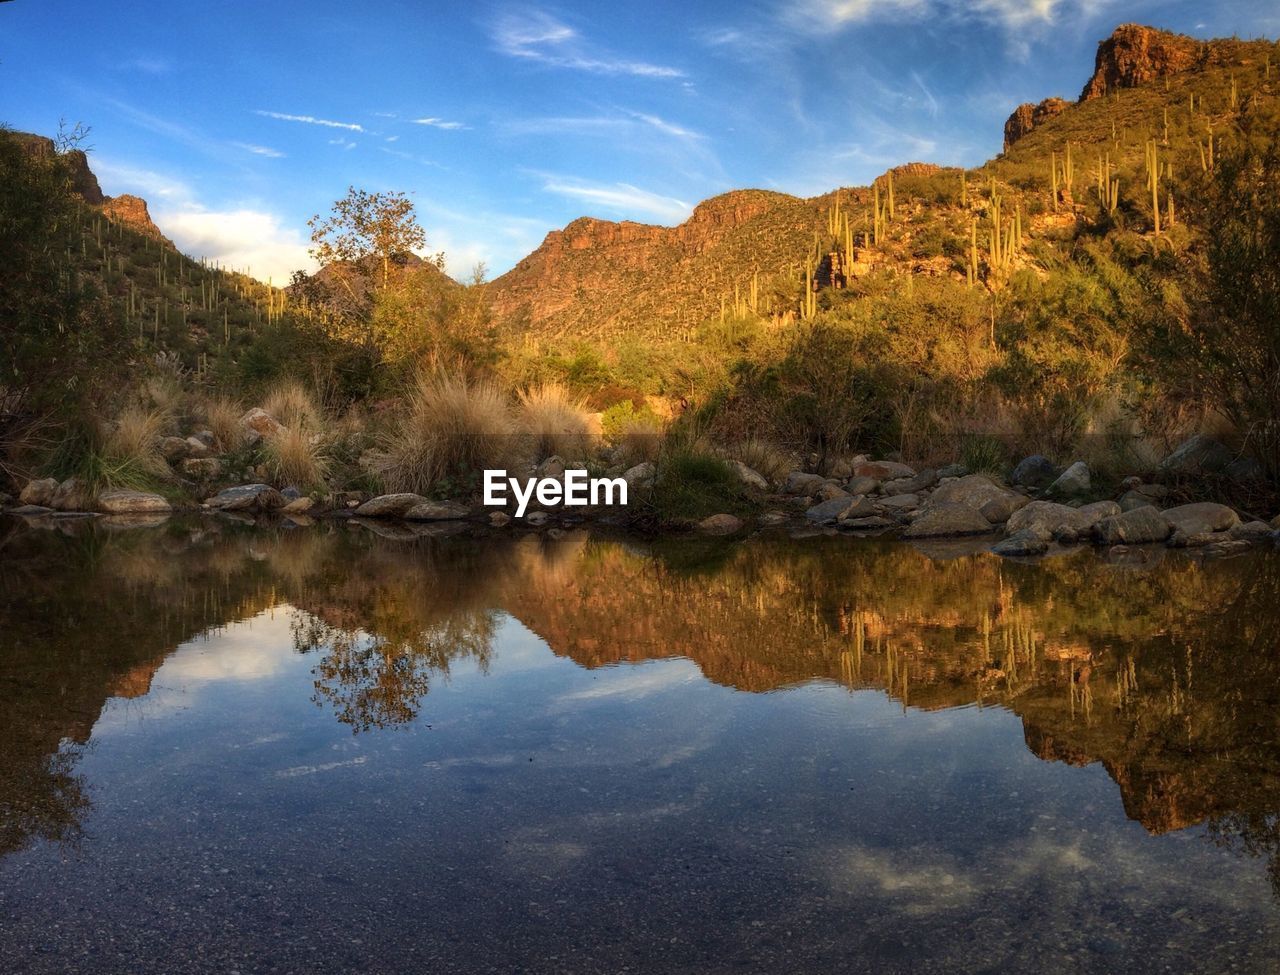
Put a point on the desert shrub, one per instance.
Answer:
(555, 422)
(693, 483)
(292, 404)
(636, 432)
(297, 456)
(222, 416)
(451, 430)
(763, 457)
(984, 454)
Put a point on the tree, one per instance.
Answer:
(367, 228)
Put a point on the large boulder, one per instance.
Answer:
(838, 509)
(247, 497)
(749, 477)
(1048, 519)
(1135, 499)
(1203, 516)
(640, 478)
(883, 470)
(804, 483)
(862, 485)
(978, 491)
(1139, 526)
(1036, 471)
(173, 449)
(1200, 454)
(947, 518)
(911, 485)
(1074, 482)
(258, 424)
(72, 495)
(437, 511)
(39, 492)
(132, 503)
(389, 505)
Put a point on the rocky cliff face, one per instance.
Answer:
(132, 212)
(1134, 55)
(1027, 116)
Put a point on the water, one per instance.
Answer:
(226, 748)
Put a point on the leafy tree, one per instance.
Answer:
(366, 229)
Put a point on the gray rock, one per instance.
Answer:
(1139, 526)
(389, 505)
(803, 483)
(870, 523)
(247, 497)
(31, 510)
(39, 492)
(437, 511)
(72, 495)
(1200, 454)
(1074, 482)
(205, 437)
(298, 506)
(640, 478)
(173, 449)
(204, 468)
(1203, 516)
(720, 524)
(751, 478)
(1135, 499)
(883, 470)
(977, 491)
(552, 467)
(830, 491)
(837, 509)
(499, 519)
(911, 485)
(862, 485)
(1244, 470)
(1048, 519)
(952, 470)
(947, 518)
(132, 503)
(1036, 471)
(901, 502)
(196, 448)
(998, 510)
(1257, 531)
(770, 518)
(536, 518)
(1025, 542)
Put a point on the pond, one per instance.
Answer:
(246, 748)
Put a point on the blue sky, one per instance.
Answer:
(238, 120)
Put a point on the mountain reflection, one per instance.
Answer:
(1165, 673)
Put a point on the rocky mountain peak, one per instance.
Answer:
(1135, 54)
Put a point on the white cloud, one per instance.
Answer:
(622, 198)
(259, 150)
(343, 143)
(311, 120)
(438, 123)
(537, 36)
(668, 128)
(813, 15)
(245, 239)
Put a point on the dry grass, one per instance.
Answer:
(291, 403)
(556, 423)
(295, 456)
(771, 462)
(639, 439)
(164, 392)
(452, 429)
(130, 453)
(222, 414)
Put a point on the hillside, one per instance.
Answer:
(597, 277)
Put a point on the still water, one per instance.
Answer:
(245, 749)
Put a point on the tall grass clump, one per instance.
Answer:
(124, 453)
(555, 422)
(771, 462)
(296, 456)
(693, 482)
(222, 415)
(452, 429)
(636, 434)
(291, 403)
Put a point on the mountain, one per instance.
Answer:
(596, 277)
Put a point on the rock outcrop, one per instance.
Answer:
(1027, 116)
(1134, 55)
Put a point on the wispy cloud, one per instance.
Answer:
(438, 123)
(311, 120)
(668, 128)
(343, 143)
(1011, 14)
(623, 121)
(620, 198)
(259, 150)
(537, 36)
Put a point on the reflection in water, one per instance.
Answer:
(1167, 674)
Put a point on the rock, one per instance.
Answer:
(1200, 454)
(1227, 547)
(1134, 55)
(5, 500)
(975, 491)
(536, 518)
(196, 448)
(640, 478)
(901, 502)
(438, 511)
(843, 468)
(870, 523)
(803, 483)
(499, 518)
(1257, 531)
(1074, 482)
(720, 524)
(1027, 116)
(947, 518)
(829, 512)
(132, 503)
(830, 491)
(1139, 526)
(30, 510)
(258, 421)
(751, 478)
(1203, 516)
(552, 467)
(911, 485)
(998, 510)
(1025, 542)
(173, 449)
(770, 518)
(290, 493)
(952, 470)
(389, 505)
(1036, 471)
(298, 506)
(205, 437)
(883, 470)
(1049, 519)
(72, 495)
(1275, 522)
(1245, 470)
(862, 485)
(247, 497)
(204, 468)
(1135, 499)
(39, 492)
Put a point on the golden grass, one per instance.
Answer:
(639, 439)
(291, 403)
(222, 415)
(296, 456)
(771, 462)
(452, 429)
(130, 454)
(556, 422)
